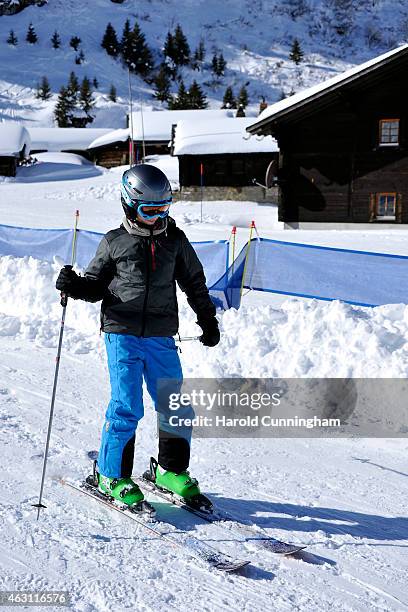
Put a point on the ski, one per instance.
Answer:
(248, 533)
(197, 549)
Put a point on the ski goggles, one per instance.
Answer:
(148, 210)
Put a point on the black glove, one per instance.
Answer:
(211, 333)
(67, 281)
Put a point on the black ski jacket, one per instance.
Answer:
(136, 276)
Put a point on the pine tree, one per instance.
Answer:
(196, 97)
(12, 38)
(86, 100)
(169, 47)
(112, 93)
(198, 57)
(56, 40)
(243, 97)
(126, 43)
(181, 100)
(218, 64)
(110, 42)
(95, 83)
(31, 36)
(141, 58)
(181, 46)
(222, 64)
(214, 64)
(228, 100)
(75, 42)
(296, 54)
(162, 83)
(63, 108)
(201, 51)
(79, 59)
(44, 89)
(72, 90)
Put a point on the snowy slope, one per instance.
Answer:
(345, 498)
(255, 37)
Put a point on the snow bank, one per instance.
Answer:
(30, 307)
(58, 167)
(296, 339)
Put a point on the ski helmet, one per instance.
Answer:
(145, 191)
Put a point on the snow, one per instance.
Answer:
(60, 139)
(320, 88)
(56, 167)
(200, 137)
(344, 498)
(254, 36)
(13, 137)
(156, 126)
(120, 135)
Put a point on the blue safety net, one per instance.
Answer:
(325, 273)
(45, 244)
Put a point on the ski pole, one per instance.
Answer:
(184, 338)
(64, 301)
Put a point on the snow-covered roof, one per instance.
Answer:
(195, 137)
(13, 137)
(112, 136)
(311, 93)
(157, 125)
(58, 139)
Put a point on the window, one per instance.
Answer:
(386, 206)
(389, 132)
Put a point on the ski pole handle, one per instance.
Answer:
(64, 297)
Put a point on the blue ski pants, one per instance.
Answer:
(130, 360)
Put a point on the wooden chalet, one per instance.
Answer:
(14, 147)
(151, 132)
(343, 146)
(220, 161)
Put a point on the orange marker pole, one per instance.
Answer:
(251, 229)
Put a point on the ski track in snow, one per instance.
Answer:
(344, 498)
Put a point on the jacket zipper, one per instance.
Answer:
(147, 279)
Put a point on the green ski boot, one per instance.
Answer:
(125, 491)
(180, 484)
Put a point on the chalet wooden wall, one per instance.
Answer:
(8, 166)
(331, 163)
(117, 154)
(224, 170)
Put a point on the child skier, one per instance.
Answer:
(134, 273)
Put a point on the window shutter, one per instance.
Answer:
(371, 212)
(398, 208)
